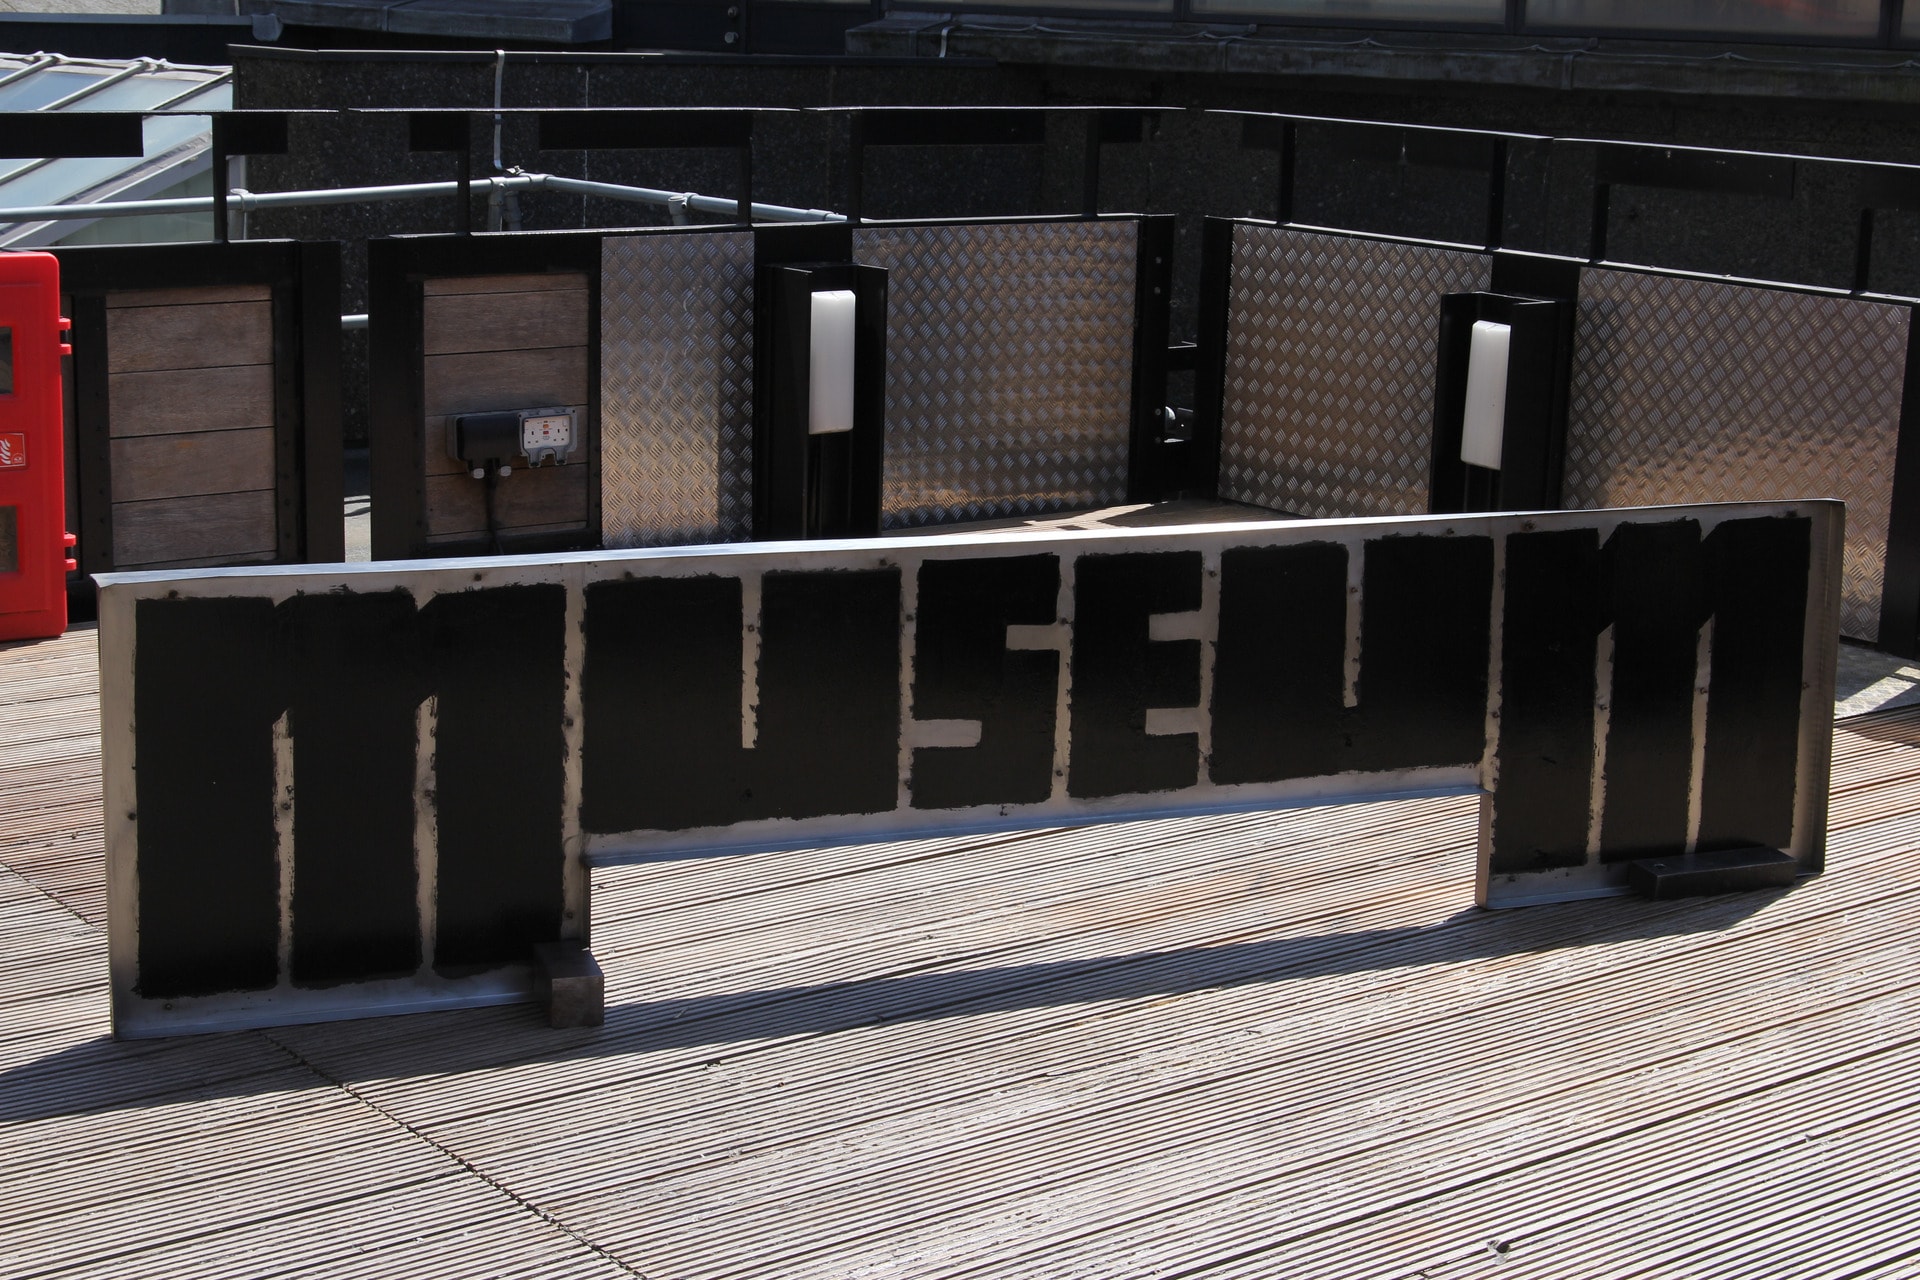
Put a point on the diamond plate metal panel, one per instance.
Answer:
(1697, 391)
(676, 389)
(1009, 367)
(1331, 345)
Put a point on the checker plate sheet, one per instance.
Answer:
(1009, 367)
(676, 388)
(1698, 391)
(1331, 346)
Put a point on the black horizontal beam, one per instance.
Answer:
(1741, 173)
(1891, 187)
(952, 126)
(602, 130)
(33, 135)
(1388, 144)
(250, 133)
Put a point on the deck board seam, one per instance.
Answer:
(34, 884)
(455, 1158)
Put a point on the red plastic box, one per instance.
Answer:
(35, 546)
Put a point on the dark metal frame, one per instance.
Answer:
(981, 127)
(1513, 21)
(1533, 446)
(397, 269)
(1466, 150)
(807, 486)
(241, 133)
(1157, 459)
(1210, 356)
(305, 281)
(1900, 587)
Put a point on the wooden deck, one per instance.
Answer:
(1160, 1049)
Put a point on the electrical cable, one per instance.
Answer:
(492, 483)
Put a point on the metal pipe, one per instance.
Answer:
(110, 209)
(34, 62)
(353, 321)
(704, 204)
(134, 68)
(33, 166)
(242, 199)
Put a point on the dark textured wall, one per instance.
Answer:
(1192, 166)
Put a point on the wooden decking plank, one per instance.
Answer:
(1517, 941)
(1035, 1053)
(839, 1050)
(363, 1042)
(1319, 1189)
(266, 1173)
(446, 1226)
(1441, 1227)
(736, 1169)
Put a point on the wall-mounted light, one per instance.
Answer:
(819, 391)
(1500, 402)
(830, 362)
(1485, 426)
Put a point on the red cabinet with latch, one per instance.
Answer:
(35, 547)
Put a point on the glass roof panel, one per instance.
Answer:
(64, 180)
(32, 92)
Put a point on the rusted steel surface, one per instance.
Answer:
(1155, 1048)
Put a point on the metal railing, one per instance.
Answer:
(241, 200)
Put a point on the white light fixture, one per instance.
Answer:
(830, 363)
(1485, 425)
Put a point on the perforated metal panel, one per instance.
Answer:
(1331, 344)
(1696, 391)
(676, 389)
(1009, 367)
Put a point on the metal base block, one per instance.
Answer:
(568, 980)
(1726, 871)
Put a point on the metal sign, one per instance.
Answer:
(342, 791)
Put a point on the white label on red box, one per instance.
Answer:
(13, 450)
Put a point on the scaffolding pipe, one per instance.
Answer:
(242, 200)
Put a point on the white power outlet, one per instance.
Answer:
(547, 435)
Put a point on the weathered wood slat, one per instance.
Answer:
(506, 321)
(189, 336)
(189, 463)
(482, 381)
(529, 283)
(145, 404)
(530, 497)
(214, 525)
(193, 294)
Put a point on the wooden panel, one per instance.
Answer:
(210, 562)
(530, 283)
(505, 380)
(175, 466)
(438, 462)
(506, 322)
(189, 337)
(195, 294)
(537, 496)
(148, 404)
(518, 531)
(219, 525)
